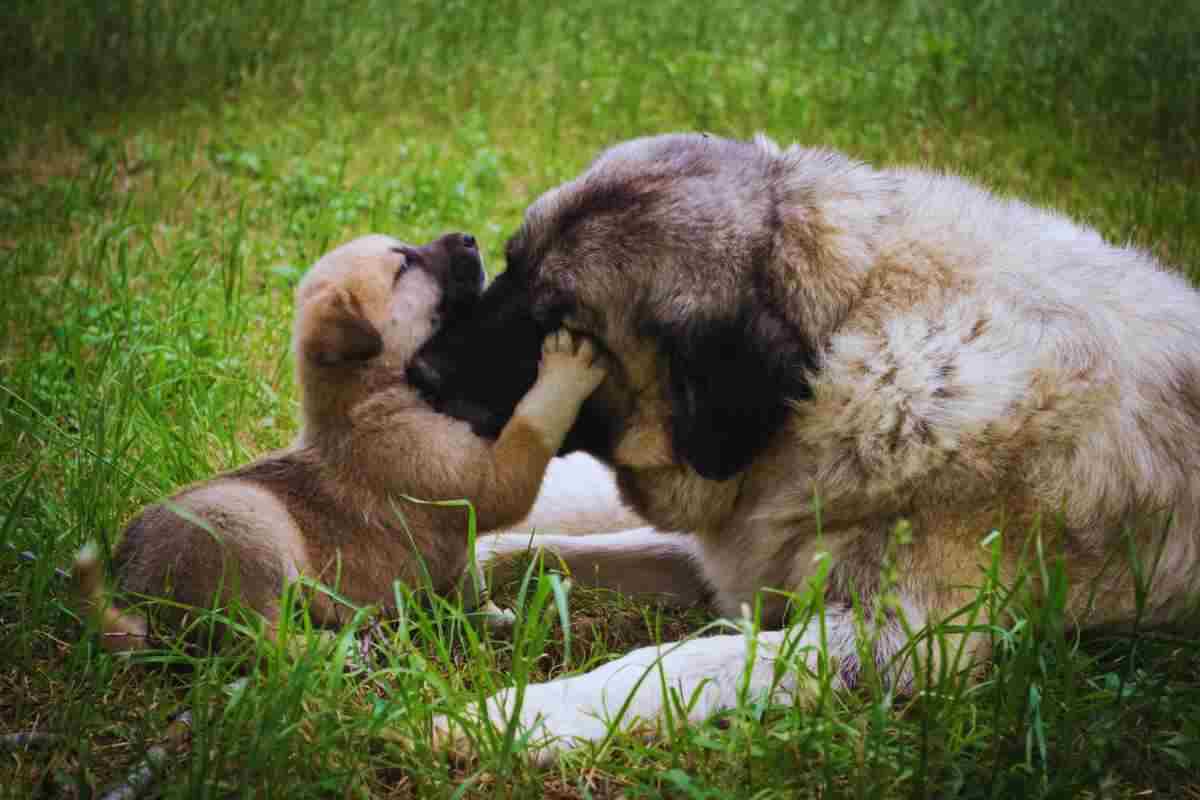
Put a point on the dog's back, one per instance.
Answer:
(1003, 369)
(1096, 346)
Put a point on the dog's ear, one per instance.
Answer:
(335, 331)
(730, 382)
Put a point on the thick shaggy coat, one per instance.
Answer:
(808, 351)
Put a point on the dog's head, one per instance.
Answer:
(710, 270)
(373, 301)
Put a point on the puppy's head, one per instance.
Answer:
(373, 301)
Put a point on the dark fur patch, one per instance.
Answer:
(730, 384)
(453, 261)
(478, 368)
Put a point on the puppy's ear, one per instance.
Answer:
(335, 331)
(729, 385)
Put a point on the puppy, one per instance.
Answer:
(337, 505)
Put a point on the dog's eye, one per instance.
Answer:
(554, 308)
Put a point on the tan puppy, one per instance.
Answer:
(335, 505)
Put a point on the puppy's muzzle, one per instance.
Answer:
(465, 275)
(472, 265)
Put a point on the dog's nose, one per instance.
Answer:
(469, 241)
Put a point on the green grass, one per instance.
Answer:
(168, 170)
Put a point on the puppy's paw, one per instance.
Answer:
(573, 358)
(495, 620)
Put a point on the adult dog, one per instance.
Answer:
(807, 351)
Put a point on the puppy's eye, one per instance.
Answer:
(402, 268)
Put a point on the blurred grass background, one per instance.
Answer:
(169, 169)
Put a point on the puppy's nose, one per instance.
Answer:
(473, 272)
(482, 274)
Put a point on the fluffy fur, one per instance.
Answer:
(333, 506)
(808, 350)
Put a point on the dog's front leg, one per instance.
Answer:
(681, 683)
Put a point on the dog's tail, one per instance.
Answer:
(119, 631)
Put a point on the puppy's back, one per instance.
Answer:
(218, 536)
(201, 548)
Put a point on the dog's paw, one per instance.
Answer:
(573, 357)
(548, 721)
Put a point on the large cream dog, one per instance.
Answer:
(807, 352)
(334, 507)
